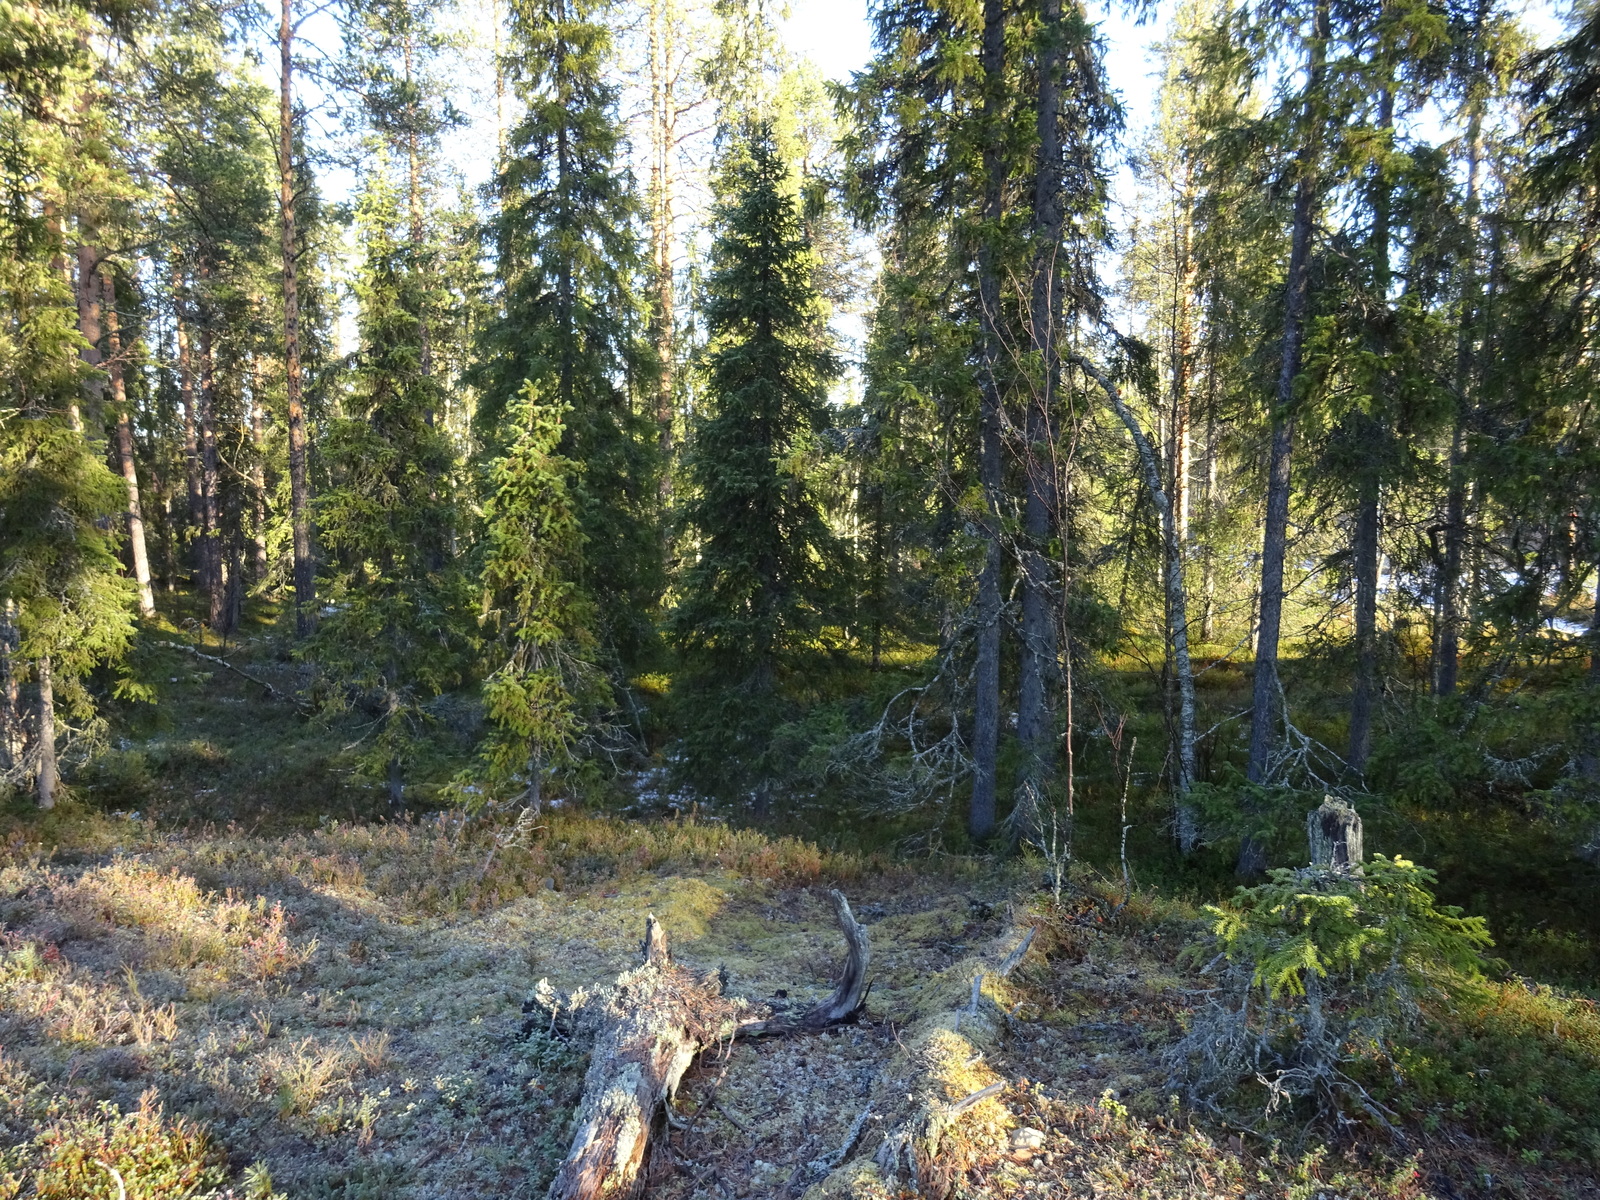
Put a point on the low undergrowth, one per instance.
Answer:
(341, 1006)
(59, 1148)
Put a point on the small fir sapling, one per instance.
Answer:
(544, 693)
(1321, 972)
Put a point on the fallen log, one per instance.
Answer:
(941, 1048)
(646, 1029)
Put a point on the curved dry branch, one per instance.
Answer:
(849, 996)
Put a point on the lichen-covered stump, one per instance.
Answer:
(1334, 832)
(647, 1028)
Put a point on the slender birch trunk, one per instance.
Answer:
(1188, 831)
(125, 457)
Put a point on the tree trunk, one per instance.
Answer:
(415, 203)
(662, 135)
(1265, 715)
(305, 570)
(13, 729)
(258, 480)
(191, 438)
(210, 511)
(1035, 720)
(46, 776)
(94, 386)
(1187, 825)
(647, 1030)
(1334, 833)
(986, 670)
(1364, 554)
(1448, 602)
(125, 458)
(1364, 540)
(1265, 709)
(1208, 554)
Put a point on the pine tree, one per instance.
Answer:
(393, 639)
(756, 595)
(544, 695)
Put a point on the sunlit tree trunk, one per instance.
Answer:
(258, 479)
(12, 726)
(191, 437)
(210, 481)
(305, 570)
(88, 295)
(46, 735)
(125, 456)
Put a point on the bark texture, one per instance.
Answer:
(1035, 718)
(125, 458)
(647, 1028)
(1334, 832)
(986, 670)
(305, 577)
(1265, 705)
(46, 748)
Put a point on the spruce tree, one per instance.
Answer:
(393, 639)
(544, 694)
(66, 606)
(757, 594)
(566, 255)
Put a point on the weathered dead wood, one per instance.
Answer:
(849, 996)
(1334, 831)
(647, 1028)
(946, 1038)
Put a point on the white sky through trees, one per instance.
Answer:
(836, 35)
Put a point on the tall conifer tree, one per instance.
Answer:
(566, 253)
(756, 594)
(394, 635)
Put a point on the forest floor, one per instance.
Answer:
(336, 1010)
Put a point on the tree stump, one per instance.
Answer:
(647, 1028)
(1334, 831)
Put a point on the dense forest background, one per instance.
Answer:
(1112, 538)
(476, 472)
